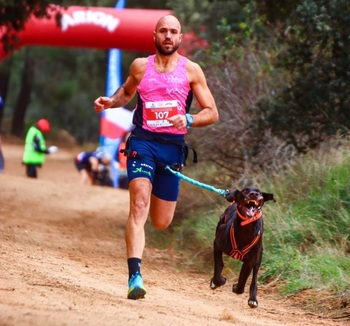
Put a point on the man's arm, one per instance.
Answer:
(126, 92)
(94, 163)
(38, 147)
(209, 113)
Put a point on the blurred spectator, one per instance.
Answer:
(2, 160)
(35, 147)
(123, 181)
(93, 167)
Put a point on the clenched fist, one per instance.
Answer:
(102, 103)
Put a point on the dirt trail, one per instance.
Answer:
(63, 262)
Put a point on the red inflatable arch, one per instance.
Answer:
(93, 27)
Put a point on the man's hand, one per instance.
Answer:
(178, 121)
(102, 103)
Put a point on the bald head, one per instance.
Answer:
(169, 21)
(167, 36)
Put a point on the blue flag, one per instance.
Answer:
(114, 123)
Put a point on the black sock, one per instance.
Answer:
(134, 265)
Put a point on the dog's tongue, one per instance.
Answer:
(251, 211)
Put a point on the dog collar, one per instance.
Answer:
(248, 220)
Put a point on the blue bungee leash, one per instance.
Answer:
(197, 183)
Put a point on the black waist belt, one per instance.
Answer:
(160, 138)
(164, 140)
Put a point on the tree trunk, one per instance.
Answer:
(5, 73)
(24, 96)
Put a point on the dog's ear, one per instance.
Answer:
(268, 196)
(231, 196)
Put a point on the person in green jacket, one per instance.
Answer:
(35, 147)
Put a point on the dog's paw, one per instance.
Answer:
(253, 303)
(215, 285)
(237, 290)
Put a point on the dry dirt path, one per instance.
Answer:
(63, 262)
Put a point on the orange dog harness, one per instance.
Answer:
(237, 253)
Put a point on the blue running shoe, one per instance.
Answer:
(136, 288)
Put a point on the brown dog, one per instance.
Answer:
(239, 235)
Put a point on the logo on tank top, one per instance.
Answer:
(176, 80)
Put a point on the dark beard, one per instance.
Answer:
(165, 52)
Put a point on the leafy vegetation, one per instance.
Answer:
(316, 102)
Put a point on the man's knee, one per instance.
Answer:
(161, 223)
(162, 212)
(162, 209)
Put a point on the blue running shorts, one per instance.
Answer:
(150, 163)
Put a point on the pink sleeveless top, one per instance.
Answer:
(161, 95)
